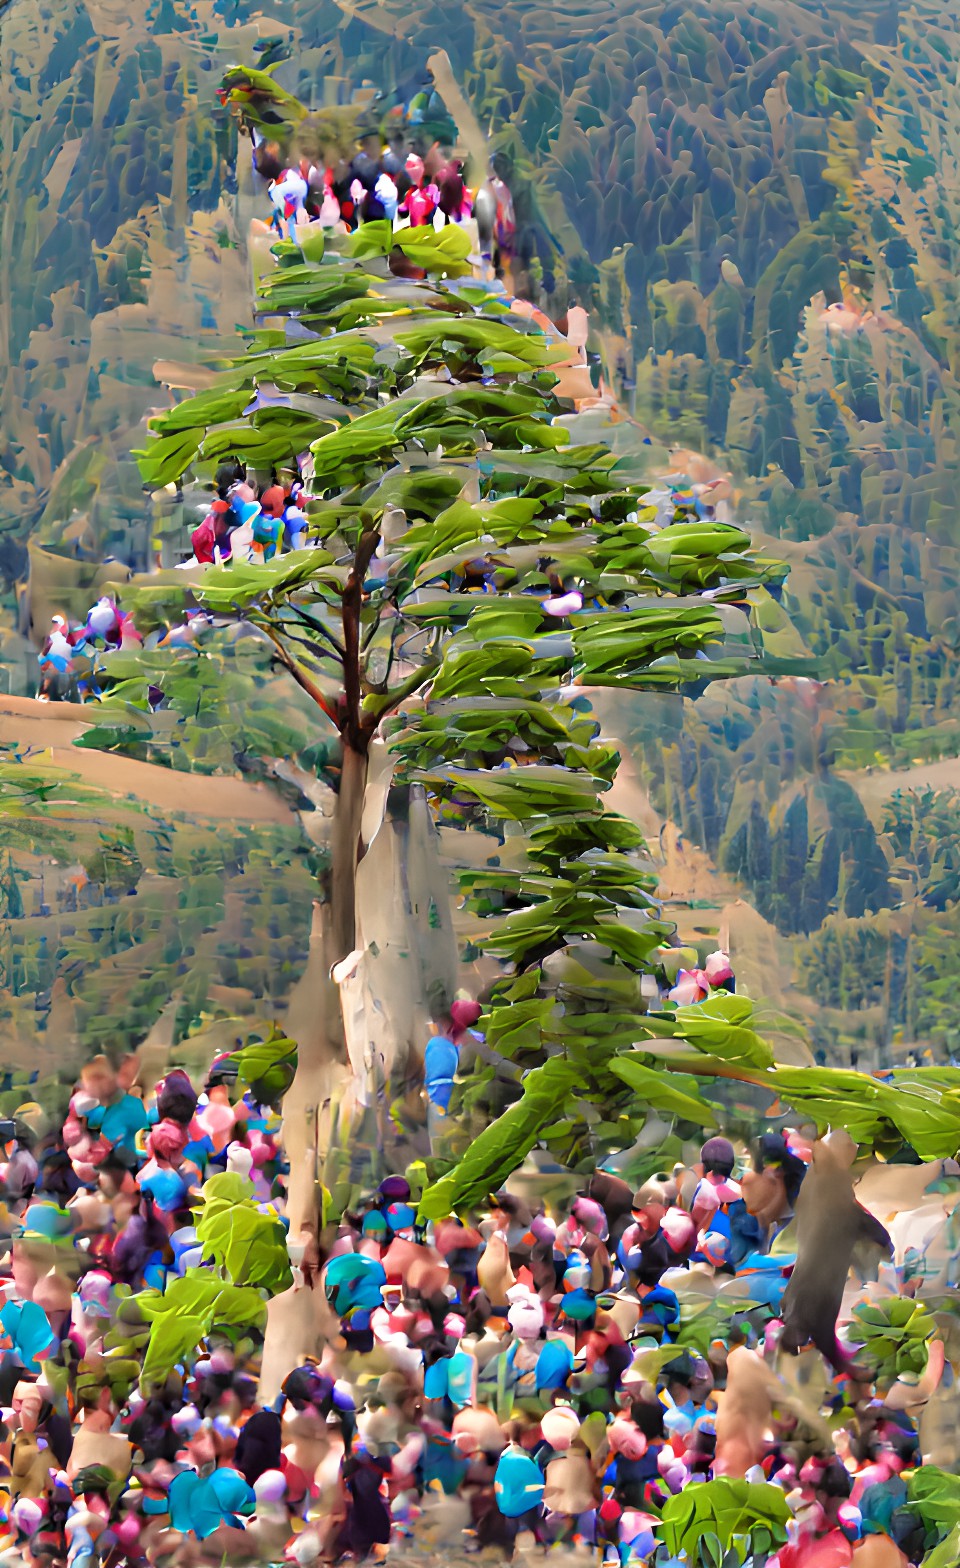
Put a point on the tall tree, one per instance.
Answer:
(474, 569)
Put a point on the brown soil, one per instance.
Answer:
(50, 728)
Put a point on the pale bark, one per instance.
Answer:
(345, 852)
(299, 1321)
(360, 1041)
(407, 969)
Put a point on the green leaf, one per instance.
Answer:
(720, 1027)
(624, 645)
(946, 1554)
(518, 793)
(724, 1507)
(445, 251)
(501, 1147)
(661, 1091)
(267, 1066)
(934, 1494)
(312, 242)
(649, 1358)
(242, 585)
(240, 1237)
(870, 1108)
(173, 1339)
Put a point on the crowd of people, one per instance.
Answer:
(74, 658)
(382, 180)
(385, 181)
(249, 522)
(537, 1373)
(534, 1373)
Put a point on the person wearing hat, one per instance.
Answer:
(288, 195)
(713, 1196)
(643, 1250)
(716, 1189)
(294, 519)
(213, 534)
(18, 1176)
(245, 508)
(420, 202)
(268, 524)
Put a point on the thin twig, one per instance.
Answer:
(318, 627)
(301, 677)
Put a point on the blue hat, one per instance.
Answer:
(518, 1484)
(353, 1281)
(166, 1187)
(202, 1504)
(29, 1329)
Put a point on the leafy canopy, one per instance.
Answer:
(474, 569)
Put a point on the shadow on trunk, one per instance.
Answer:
(355, 1112)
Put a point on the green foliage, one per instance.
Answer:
(267, 1066)
(186, 1312)
(213, 708)
(662, 1092)
(120, 1372)
(934, 1496)
(439, 592)
(504, 1145)
(260, 98)
(894, 1332)
(844, 964)
(923, 827)
(533, 514)
(944, 1554)
(920, 1107)
(849, 441)
(702, 1321)
(124, 909)
(728, 1509)
(242, 1238)
(731, 773)
(445, 252)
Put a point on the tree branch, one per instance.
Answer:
(378, 707)
(303, 680)
(353, 728)
(318, 627)
(315, 652)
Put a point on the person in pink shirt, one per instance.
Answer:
(420, 202)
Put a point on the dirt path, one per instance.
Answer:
(876, 786)
(50, 728)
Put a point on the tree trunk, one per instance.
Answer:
(314, 1017)
(298, 1321)
(360, 1042)
(321, 1094)
(406, 974)
(345, 852)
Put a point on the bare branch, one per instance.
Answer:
(303, 680)
(318, 627)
